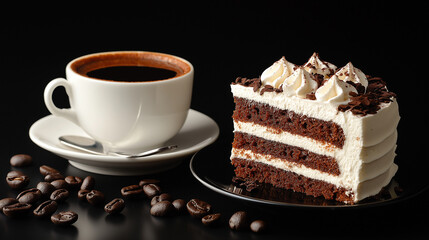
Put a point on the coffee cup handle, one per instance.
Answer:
(67, 113)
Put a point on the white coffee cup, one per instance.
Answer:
(125, 116)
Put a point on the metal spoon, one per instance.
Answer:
(91, 146)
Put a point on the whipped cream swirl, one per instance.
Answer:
(277, 73)
(351, 73)
(316, 65)
(299, 83)
(335, 91)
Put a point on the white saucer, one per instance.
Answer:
(198, 131)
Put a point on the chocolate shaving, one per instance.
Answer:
(249, 82)
(368, 103)
(269, 88)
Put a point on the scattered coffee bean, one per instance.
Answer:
(211, 219)
(73, 181)
(131, 191)
(60, 183)
(239, 221)
(82, 194)
(179, 205)
(115, 206)
(148, 181)
(161, 197)
(45, 188)
(258, 226)
(151, 190)
(17, 179)
(21, 160)
(46, 209)
(162, 209)
(88, 183)
(198, 208)
(45, 170)
(53, 176)
(6, 202)
(30, 196)
(64, 218)
(95, 197)
(16, 209)
(60, 195)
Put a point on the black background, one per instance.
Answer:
(223, 40)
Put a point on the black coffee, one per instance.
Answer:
(131, 73)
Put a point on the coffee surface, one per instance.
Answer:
(131, 73)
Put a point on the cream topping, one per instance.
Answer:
(277, 73)
(316, 65)
(299, 84)
(351, 73)
(335, 91)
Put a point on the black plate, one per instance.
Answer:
(211, 166)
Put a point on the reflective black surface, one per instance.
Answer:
(223, 40)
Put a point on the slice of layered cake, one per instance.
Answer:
(315, 129)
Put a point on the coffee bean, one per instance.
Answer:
(46, 209)
(16, 209)
(211, 219)
(258, 226)
(131, 191)
(73, 181)
(95, 197)
(179, 205)
(45, 170)
(45, 188)
(60, 195)
(82, 194)
(115, 206)
(6, 202)
(198, 208)
(53, 176)
(162, 209)
(88, 183)
(21, 160)
(60, 183)
(17, 179)
(239, 221)
(159, 198)
(64, 218)
(151, 190)
(148, 181)
(30, 196)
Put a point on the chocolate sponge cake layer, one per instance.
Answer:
(286, 152)
(279, 178)
(289, 121)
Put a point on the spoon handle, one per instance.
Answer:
(144, 154)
